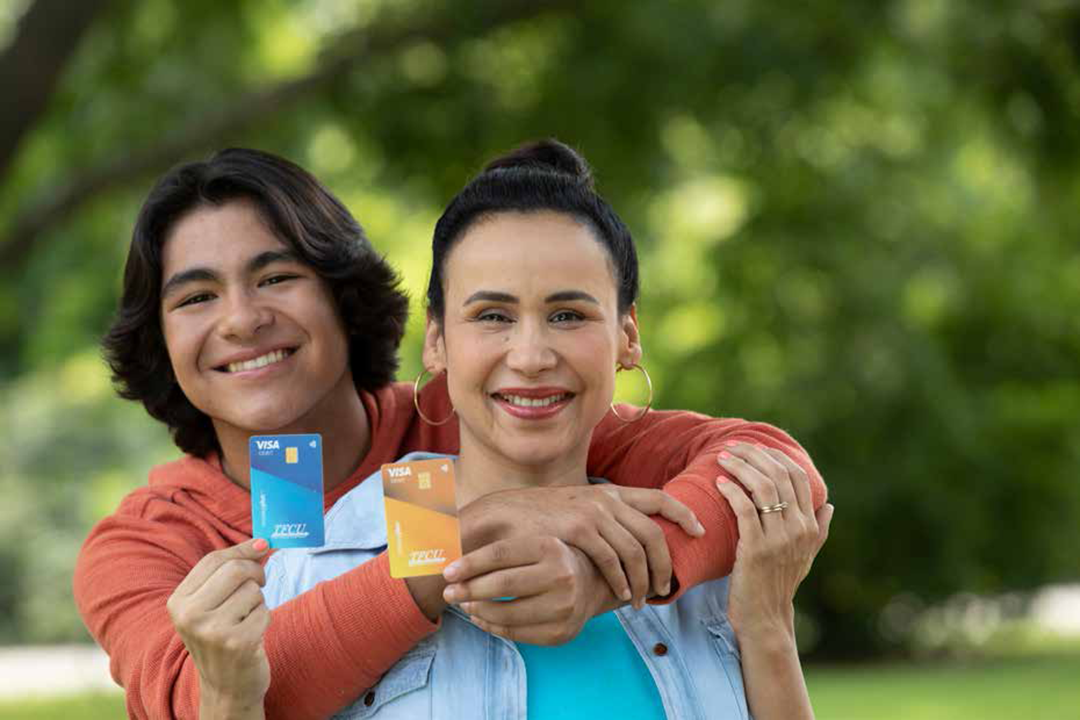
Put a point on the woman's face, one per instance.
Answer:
(531, 335)
(252, 332)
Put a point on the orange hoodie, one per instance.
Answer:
(335, 641)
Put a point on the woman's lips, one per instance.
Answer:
(530, 406)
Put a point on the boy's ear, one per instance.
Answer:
(630, 350)
(434, 350)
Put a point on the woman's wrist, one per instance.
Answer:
(775, 634)
(214, 705)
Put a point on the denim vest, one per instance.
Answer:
(461, 671)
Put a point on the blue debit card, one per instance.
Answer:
(287, 490)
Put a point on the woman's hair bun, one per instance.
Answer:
(547, 155)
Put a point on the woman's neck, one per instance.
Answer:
(341, 420)
(481, 470)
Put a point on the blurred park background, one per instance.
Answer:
(858, 221)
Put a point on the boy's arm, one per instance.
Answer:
(678, 451)
(324, 648)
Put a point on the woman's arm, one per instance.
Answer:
(776, 548)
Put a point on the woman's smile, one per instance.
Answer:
(532, 403)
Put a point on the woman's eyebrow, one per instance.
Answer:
(490, 296)
(570, 295)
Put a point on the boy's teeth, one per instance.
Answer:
(532, 402)
(255, 363)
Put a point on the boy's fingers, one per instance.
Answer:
(210, 563)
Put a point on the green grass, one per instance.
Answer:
(96, 706)
(1032, 688)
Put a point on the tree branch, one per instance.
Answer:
(32, 64)
(354, 48)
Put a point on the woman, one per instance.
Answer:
(531, 308)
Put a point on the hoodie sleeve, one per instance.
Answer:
(677, 451)
(325, 647)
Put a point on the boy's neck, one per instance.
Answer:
(342, 421)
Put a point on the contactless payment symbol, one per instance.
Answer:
(422, 512)
(287, 490)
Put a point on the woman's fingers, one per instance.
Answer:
(799, 479)
(658, 502)
(746, 513)
(511, 582)
(495, 556)
(762, 488)
(632, 557)
(824, 516)
(607, 561)
(770, 468)
(534, 610)
(652, 539)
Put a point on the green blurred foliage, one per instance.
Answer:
(856, 221)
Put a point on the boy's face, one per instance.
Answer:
(252, 332)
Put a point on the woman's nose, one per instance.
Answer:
(530, 352)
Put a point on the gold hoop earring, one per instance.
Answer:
(416, 402)
(648, 404)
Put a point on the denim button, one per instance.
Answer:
(659, 649)
(369, 699)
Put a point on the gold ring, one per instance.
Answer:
(772, 508)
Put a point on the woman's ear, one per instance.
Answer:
(629, 339)
(434, 349)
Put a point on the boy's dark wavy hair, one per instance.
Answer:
(307, 218)
(538, 176)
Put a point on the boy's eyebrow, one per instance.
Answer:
(270, 256)
(200, 274)
(184, 277)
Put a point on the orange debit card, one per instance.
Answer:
(422, 531)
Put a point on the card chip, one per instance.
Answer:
(292, 455)
(424, 479)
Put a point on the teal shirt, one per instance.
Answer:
(597, 674)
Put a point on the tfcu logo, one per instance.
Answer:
(290, 530)
(267, 445)
(427, 557)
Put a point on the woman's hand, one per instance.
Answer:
(552, 586)
(779, 536)
(607, 522)
(776, 549)
(219, 612)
